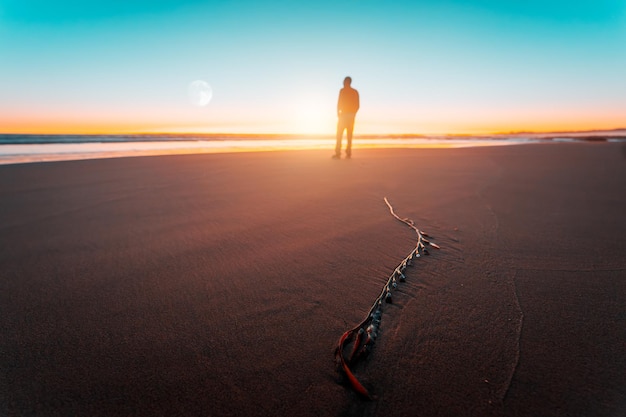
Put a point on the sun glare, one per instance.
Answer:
(313, 114)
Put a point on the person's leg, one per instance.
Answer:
(349, 130)
(340, 128)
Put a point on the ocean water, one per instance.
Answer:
(17, 148)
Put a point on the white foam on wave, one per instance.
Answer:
(27, 153)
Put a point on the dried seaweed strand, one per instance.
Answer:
(364, 335)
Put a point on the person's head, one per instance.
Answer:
(347, 81)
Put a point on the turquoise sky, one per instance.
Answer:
(420, 66)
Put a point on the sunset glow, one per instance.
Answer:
(275, 67)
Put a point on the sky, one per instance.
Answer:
(430, 67)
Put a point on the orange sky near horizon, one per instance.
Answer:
(169, 122)
(304, 113)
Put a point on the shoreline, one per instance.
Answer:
(18, 153)
(27, 153)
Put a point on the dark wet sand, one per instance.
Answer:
(218, 285)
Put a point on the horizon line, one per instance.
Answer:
(321, 135)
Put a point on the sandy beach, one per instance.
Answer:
(219, 284)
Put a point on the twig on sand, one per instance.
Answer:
(364, 335)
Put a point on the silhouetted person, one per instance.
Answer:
(347, 106)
